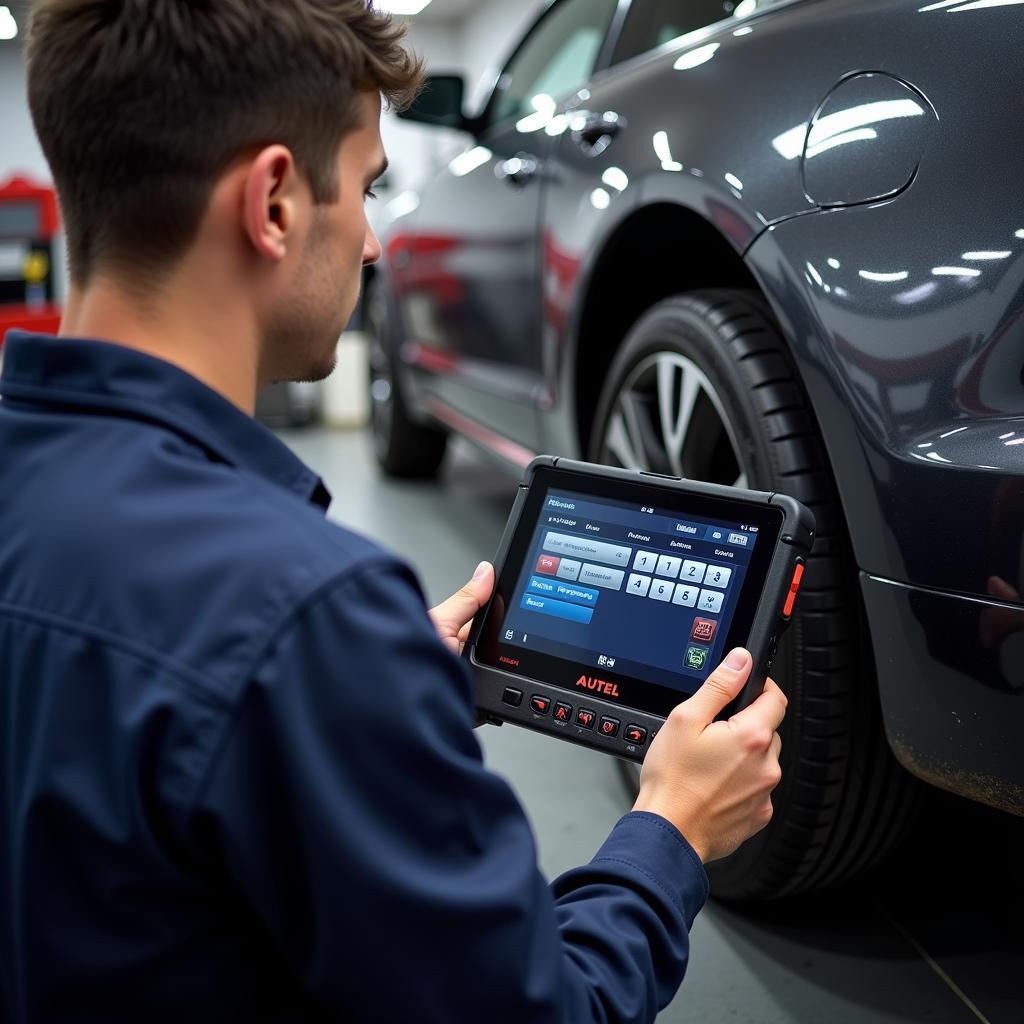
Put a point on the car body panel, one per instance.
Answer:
(464, 263)
(958, 724)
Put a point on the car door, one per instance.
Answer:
(469, 270)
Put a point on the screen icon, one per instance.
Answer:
(548, 565)
(509, 634)
(696, 658)
(704, 630)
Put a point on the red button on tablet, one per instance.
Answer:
(635, 734)
(585, 718)
(563, 712)
(794, 589)
(540, 704)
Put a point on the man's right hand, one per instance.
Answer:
(713, 780)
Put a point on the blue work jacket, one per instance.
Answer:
(239, 779)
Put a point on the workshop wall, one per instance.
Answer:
(19, 150)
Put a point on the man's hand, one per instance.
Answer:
(453, 618)
(713, 780)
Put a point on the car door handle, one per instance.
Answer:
(594, 133)
(518, 170)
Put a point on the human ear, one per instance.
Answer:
(270, 199)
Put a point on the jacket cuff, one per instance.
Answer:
(653, 846)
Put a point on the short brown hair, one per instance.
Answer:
(140, 105)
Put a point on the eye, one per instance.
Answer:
(370, 194)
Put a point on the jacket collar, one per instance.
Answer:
(112, 379)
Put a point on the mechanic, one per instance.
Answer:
(240, 777)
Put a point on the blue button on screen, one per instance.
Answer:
(557, 609)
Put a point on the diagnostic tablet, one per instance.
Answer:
(618, 592)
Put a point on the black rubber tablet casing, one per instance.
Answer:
(795, 540)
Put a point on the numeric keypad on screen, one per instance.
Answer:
(700, 585)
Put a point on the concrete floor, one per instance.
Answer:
(934, 936)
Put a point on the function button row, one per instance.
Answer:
(635, 735)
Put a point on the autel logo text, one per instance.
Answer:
(598, 685)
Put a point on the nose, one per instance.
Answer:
(371, 248)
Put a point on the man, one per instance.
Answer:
(240, 778)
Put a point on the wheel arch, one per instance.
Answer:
(659, 250)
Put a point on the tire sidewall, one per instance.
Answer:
(680, 326)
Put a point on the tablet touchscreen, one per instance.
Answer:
(634, 597)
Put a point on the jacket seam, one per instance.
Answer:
(674, 900)
(205, 687)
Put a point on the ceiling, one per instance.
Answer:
(446, 10)
(435, 11)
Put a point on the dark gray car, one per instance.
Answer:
(774, 243)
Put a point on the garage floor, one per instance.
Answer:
(936, 936)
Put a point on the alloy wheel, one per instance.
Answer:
(669, 418)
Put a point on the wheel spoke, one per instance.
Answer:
(619, 443)
(676, 407)
(637, 419)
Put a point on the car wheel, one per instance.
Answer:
(404, 448)
(703, 387)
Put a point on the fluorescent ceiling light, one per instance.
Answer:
(405, 7)
(8, 26)
(616, 178)
(466, 163)
(694, 58)
(845, 138)
(955, 272)
(663, 151)
(884, 278)
(979, 5)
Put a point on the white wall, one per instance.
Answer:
(475, 47)
(415, 150)
(470, 46)
(19, 150)
(488, 37)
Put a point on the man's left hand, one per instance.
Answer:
(453, 618)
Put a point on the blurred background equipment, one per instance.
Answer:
(29, 224)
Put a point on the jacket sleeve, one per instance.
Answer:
(397, 876)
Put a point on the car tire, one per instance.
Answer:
(844, 802)
(404, 448)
